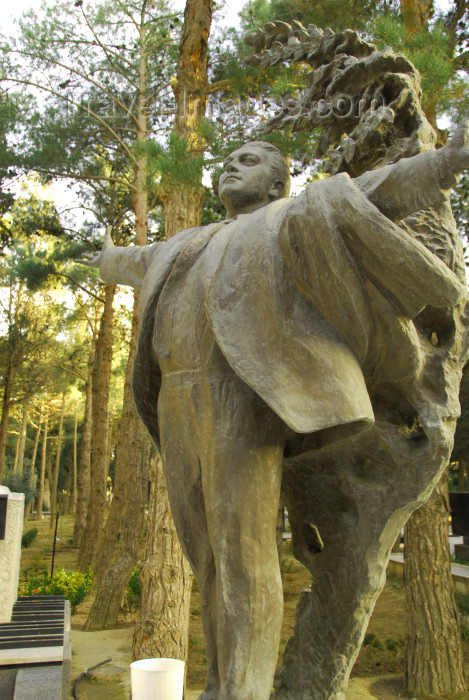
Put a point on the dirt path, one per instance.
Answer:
(377, 674)
(112, 681)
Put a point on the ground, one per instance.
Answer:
(378, 671)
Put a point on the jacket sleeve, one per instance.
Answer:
(127, 266)
(409, 185)
(343, 239)
(399, 265)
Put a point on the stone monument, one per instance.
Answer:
(10, 552)
(313, 345)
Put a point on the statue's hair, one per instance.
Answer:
(278, 164)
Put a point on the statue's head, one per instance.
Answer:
(253, 176)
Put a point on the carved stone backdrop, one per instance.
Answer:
(347, 503)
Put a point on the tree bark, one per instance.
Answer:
(183, 201)
(32, 466)
(433, 655)
(73, 499)
(162, 629)
(5, 416)
(416, 14)
(128, 466)
(22, 441)
(84, 462)
(55, 472)
(100, 421)
(122, 529)
(433, 663)
(42, 470)
(113, 581)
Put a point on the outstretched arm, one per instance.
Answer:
(126, 265)
(422, 181)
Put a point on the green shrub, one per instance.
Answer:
(73, 585)
(392, 645)
(29, 537)
(372, 640)
(133, 592)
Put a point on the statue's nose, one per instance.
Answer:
(230, 167)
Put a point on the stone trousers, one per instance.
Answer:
(222, 451)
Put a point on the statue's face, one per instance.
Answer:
(247, 180)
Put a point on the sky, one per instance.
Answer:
(59, 192)
(228, 17)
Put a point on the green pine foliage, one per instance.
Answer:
(431, 53)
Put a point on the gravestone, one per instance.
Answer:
(459, 502)
(10, 551)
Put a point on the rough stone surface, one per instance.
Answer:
(365, 101)
(320, 339)
(40, 683)
(10, 553)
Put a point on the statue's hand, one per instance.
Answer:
(457, 149)
(95, 259)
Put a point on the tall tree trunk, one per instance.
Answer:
(73, 499)
(84, 461)
(433, 656)
(119, 531)
(165, 574)
(32, 466)
(17, 451)
(113, 581)
(433, 663)
(416, 15)
(55, 472)
(100, 421)
(42, 470)
(5, 416)
(22, 441)
(128, 465)
(183, 201)
(162, 629)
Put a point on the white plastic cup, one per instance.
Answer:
(157, 679)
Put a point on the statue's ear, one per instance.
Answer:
(277, 190)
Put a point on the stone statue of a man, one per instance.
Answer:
(258, 336)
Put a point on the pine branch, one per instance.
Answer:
(461, 62)
(75, 71)
(108, 53)
(80, 286)
(219, 86)
(69, 100)
(84, 178)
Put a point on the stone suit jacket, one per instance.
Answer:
(310, 299)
